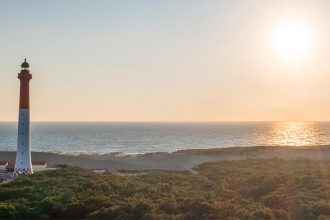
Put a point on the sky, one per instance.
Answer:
(148, 60)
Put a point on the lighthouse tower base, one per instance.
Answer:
(23, 163)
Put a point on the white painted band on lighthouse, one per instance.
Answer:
(23, 163)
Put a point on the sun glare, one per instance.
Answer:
(293, 39)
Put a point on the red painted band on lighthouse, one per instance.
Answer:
(24, 98)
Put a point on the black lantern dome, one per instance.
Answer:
(25, 65)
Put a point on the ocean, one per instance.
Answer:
(139, 137)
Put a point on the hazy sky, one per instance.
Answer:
(169, 60)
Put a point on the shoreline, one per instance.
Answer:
(178, 160)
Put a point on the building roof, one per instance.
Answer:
(3, 163)
(10, 165)
(36, 162)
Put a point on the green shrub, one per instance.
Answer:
(249, 189)
(7, 211)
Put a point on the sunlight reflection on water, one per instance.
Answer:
(295, 134)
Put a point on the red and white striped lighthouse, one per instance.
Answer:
(23, 163)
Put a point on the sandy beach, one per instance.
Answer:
(179, 160)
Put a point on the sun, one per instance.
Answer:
(293, 38)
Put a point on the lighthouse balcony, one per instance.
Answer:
(24, 75)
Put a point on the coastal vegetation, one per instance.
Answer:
(246, 189)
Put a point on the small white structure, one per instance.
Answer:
(39, 166)
(3, 165)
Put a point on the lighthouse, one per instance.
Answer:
(23, 163)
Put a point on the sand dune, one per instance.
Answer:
(180, 160)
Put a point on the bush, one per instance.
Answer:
(296, 189)
(7, 211)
